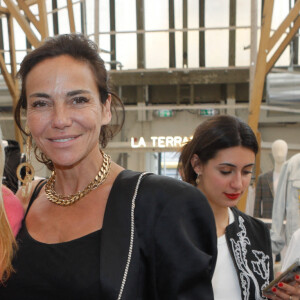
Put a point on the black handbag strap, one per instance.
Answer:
(35, 193)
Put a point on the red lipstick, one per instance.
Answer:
(232, 196)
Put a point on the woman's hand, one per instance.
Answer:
(283, 291)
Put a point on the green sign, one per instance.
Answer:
(165, 113)
(207, 112)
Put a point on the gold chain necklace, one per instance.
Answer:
(70, 199)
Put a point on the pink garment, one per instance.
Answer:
(14, 209)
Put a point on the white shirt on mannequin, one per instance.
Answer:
(279, 152)
(293, 251)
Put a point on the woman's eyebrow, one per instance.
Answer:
(227, 164)
(232, 165)
(77, 92)
(39, 95)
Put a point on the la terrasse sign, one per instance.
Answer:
(160, 142)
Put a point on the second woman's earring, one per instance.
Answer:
(29, 170)
(198, 179)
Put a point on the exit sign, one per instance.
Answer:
(207, 112)
(164, 113)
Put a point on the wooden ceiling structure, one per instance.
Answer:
(133, 84)
(181, 83)
(136, 83)
(269, 43)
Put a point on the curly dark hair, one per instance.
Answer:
(80, 48)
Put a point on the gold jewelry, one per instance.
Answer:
(198, 179)
(70, 199)
(29, 170)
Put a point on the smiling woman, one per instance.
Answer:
(61, 117)
(94, 230)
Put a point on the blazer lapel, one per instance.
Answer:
(115, 236)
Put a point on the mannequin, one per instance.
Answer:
(286, 204)
(279, 152)
(267, 182)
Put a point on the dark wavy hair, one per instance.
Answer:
(214, 134)
(80, 48)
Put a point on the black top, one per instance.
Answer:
(69, 270)
(172, 246)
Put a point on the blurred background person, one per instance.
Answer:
(11, 215)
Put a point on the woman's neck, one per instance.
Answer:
(221, 215)
(72, 180)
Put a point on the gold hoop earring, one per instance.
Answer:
(29, 170)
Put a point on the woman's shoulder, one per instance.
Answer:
(250, 221)
(160, 190)
(160, 186)
(152, 180)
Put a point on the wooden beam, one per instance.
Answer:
(293, 14)
(31, 2)
(283, 45)
(71, 16)
(258, 157)
(31, 17)
(12, 49)
(13, 64)
(263, 67)
(7, 77)
(260, 72)
(43, 19)
(28, 44)
(14, 10)
(3, 10)
(243, 201)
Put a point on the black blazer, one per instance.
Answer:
(174, 246)
(165, 244)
